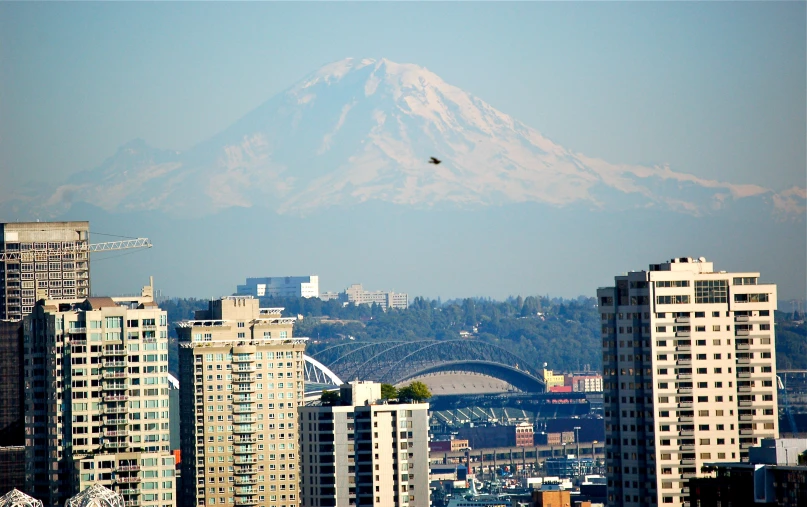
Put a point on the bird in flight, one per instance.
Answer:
(434, 161)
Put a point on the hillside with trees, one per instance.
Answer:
(565, 333)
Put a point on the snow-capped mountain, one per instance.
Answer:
(361, 130)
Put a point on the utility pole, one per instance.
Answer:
(577, 440)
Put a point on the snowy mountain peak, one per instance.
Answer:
(360, 130)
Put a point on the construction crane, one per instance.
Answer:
(786, 404)
(29, 255)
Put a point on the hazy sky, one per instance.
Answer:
(715, 89)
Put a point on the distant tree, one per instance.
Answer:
(416, 391)
(330, 398)
(388, 392)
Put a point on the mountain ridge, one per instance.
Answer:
(359, 130)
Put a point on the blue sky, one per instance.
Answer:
(716, 89)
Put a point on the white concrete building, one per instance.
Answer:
(242, 379)
(96, 400)
(281, 286)
(365, 451)
(357, 295)
(689, 375)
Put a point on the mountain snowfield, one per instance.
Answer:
(362, 130)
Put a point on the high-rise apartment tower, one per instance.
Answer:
(96, 400)
(365, 451)
(241, 377)
(689, 375)
(42, 260)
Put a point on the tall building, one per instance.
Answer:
(96, 400)
(365, 451)
(42, 260)
(242, 379)
(689, 375)
(357, 295)
(11, 385)
(282, 286)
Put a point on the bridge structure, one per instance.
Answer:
(395, 362)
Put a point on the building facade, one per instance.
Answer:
(774, 476)
(96, 400)
(357, 295)
(12, 394)
(689, 375)
(242, 379)
(281, 286)
(42, 260)
(365, 451)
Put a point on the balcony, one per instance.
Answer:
(243, 400)
(114, 374)
(115, 387)
(685, 404)
(743, 389)
(128, 468)
(116, 433)
(685, 418)
(114, 364)
(245, 471)
(245, 419)
(249, 450)
(740, 318)
(116, 445)
(113, 352)
(77, 330)
(245, 440)
(741, 332)
(131, 503)
(127, 479)
(244, 369)
(744, 403)
(244, 410)
(687, 447)
(244, 378)
(746, 431)
(78, 341)
(129, 491)
(116, 410)
(746, 417)
(683, 334)
(243, 430)
(246, 388)
(116, 397)
(246, 501)
(115, 422)
(743, 360)
(245, 358)
(743, 374)
(686, 433)
(246, 481)
(688, 461)
(245, 461)
(742, 346)
(684, 390)
(685, 376)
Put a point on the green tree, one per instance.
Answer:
(330, 398)
(388, 392)
(416, 391)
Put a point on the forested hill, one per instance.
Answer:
(563, 333)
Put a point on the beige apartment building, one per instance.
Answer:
(96, 400)
(42, 260)
(689, 375)
(365, 451)
(242, 378)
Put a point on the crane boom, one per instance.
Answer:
(97, 247)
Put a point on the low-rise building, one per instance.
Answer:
(520, 435)
(357, 295)
(775, 475)
(281, 286)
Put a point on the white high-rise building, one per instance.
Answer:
(242, 379)
(96, 400)
(364, 451)
(689, 375)
(281, 286)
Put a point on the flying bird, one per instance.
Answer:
(434, 161)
